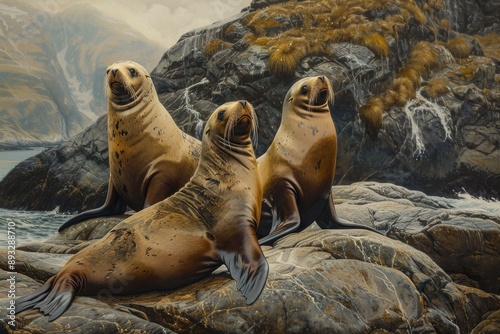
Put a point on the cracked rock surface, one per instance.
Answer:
(429, 274)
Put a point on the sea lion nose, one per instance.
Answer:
(114, 71)
(243, 103)
(322, 78)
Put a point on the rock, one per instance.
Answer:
(71, 177)
(460, 240)
(320, 281)
(74, 239)
(490, 325)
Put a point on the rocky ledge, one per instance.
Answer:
(435, 271)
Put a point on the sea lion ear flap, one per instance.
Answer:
(249, 269)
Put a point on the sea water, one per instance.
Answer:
(28, 226)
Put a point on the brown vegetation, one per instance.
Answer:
(286, 55)
(421, 60)
(459, 47)
(324, 22)
(294, 30)
(435, 87)
(490, 44)
(216, 45)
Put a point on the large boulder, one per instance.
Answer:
(320, 281)
(70, 177)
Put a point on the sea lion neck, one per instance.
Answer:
(222, 153)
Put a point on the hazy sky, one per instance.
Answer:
(163, 21)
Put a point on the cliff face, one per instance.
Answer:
(417, 97)
(416, 85)
(52, 67)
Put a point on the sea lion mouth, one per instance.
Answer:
(118, 88)
(243, 125)
(321, 98)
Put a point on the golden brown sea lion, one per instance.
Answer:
(211, 221)
(299, 166)
(150, 158)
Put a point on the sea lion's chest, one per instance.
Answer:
(136, 144)
(303, 154)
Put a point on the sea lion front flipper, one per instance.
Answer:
(288, 217)
(248, 267)
(328, 219)
(113, 205)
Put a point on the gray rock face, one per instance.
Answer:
(320, 281)
(72, 176)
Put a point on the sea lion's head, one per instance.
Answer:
(233, 123)
(311, 94)
(127, 82)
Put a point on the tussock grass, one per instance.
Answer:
(293, 30)
(459, 47)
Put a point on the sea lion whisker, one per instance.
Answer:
(107, 89)
(131, 91)
(229, 131)
(255, 129)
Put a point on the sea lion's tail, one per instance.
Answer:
(53, 298)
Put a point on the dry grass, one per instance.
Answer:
(324, 22)
(459, 47)
(371, 113)
(435, 87)
(285, 56)
(421, 60)
(216, 45)
(294, 30)
(490, 44)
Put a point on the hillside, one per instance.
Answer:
(52, 68)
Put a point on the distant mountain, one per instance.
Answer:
(52, 69)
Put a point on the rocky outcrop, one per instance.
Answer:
(438, 134)
(72, 176)
(320, 281)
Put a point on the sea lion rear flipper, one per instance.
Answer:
(328, 218)
(249, 268)
(113, 205)
(53, 299)
(268, 219)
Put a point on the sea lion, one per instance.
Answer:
(150, 158)
(299, 166)
(211, 221)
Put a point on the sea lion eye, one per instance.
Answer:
(132, 71)
(303, 90)
(220, 115)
